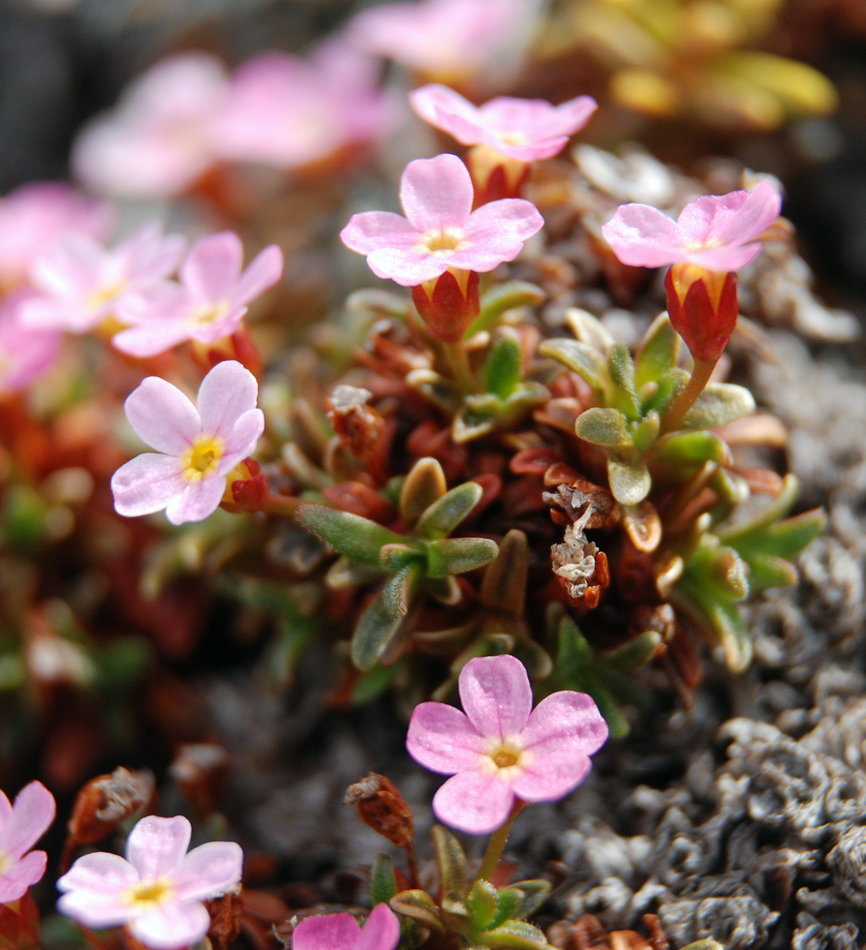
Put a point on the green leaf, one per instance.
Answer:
(658, 396)
(717, 405)
(504, 585)
(629, 479)
(424, 485)
(397, 557)
(417, 905)
(443, 516)
(514, 934)
(383, 880)
(646, 431)
(767, 572)
(692, 447)
(451, 862)
(381, 621)
(533, 894)
(620, 368)
(634, 654)
(501, 371)
(508, 900)
(658, 352)
(482, 901)
(357, 538)
(500, 299)
(604, 427)
(582, 359)
(458, 555)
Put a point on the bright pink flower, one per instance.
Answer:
(331, 931)
(289, 112)
(21, 826)
(525, 129)
(81, 283)
(443, 38)
(25, 352)
(207, 305)
(714, 232)
(196, 448)
(501, 749)
(158, 889)
(35, 216)
(440, 231)
(158, 139)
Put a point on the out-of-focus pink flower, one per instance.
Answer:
(715, 232)
(440, 231)
(35, 216)
(158, 889)
(158, 140)
(331, 931)
(196, 448)
(21, 826)
(207, 305)
(81, 283)
(501, 749)
(444, 39)
(25, 353)
(524, 129)
(289, 112)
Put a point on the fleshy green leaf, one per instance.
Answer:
(646, 431)
(381, 621)
(629, 479)
(514, 934)
(533, 894)
(501, 371)
(482, 901)
(717, 405)
(458, 555)
(417, 905)
(443, 516)
(451, 862)
(604, 427)
(620, 369)
(658, 352)
(357, 538)
(582, 359)
(424, 485)
(383, 880)
(508, 900)
(500, 299)
(692, 447)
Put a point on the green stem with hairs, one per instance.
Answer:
(685, 399)
(496, 845)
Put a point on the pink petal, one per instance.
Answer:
(496, 232)
(264, 271)
(760, 209)
(641, 236)
(162, 416)
(151, 338)
(100, 874)
(213, 266)
(243, 439)
(436, 192)
(380, 932)
(496, 695)
(226, 393)
(23, 873)
(326, 932)
(32, 814)
(5, 810)
(156, 846)
(474, 802)
(442, 739)
(449, 111)
(171, 926)
(197, 500)
(209, 870)
(146, 484)
(408, 267)
(93, 909)
(374, 230)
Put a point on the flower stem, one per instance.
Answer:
(496, 845)
(283, 505)
(458, 360)
(701, 373)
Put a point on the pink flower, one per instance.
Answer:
(21, 826)
(35, 216)
(158, 140)
(25, 352)
(443, 38)
(196, 448)
(158, 889)
(289, 112)
(207, 305)
(440, 231)
(81, 283)
(330, 931)
(525, 129)
(501, 749)
(715, 232)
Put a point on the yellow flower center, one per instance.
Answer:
(207, 313)
(148, 894)
(6, 862)
(103, 294)
(514, 138)
(442, 241)
(505, 757)
(202, 457)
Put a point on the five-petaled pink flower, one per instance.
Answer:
(25, 352)
(196, 448)
(525, 129)
(21, 826)
(158, 889)
(207, 305)
(715, 232)
(501, 749)
(330, 931)
(440, 231)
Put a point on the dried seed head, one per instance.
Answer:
(383, 808)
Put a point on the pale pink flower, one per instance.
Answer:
(196, 448)
(440, 231)
(289, 112)
(158, 889)
(714, 232)
(501, 749)
(332, 931)
(21, 826)
(444, 38)
(524, 129)
(157, 141)
(35, 216)
(209, 302)
(81, 283)
(25, 352)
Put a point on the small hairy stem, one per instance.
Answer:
(496, 845)
(458, 360)
(281, 505)
(701, 373)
